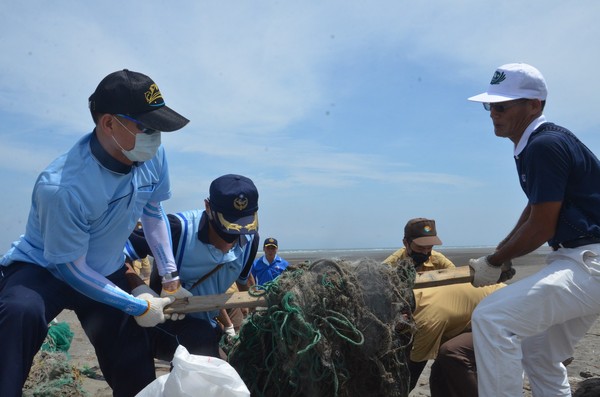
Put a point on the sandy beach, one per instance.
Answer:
(586, 363)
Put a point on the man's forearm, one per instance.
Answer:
(525, 240)
(132, 278)
(522, 219)
(538, 226)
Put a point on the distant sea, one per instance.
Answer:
(458, 255)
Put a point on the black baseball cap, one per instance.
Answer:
(270, 242)
(136, 95)
(234, 203)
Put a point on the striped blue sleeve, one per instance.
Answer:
(158, 236)
(97, 287)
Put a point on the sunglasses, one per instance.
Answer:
(138, 124)
(502, 106)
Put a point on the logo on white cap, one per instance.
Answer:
(514, 81)
(498, 78)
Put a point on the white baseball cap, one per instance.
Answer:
(514, 81)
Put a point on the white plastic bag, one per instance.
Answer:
(194, 376)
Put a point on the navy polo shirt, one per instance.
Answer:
(556, 166)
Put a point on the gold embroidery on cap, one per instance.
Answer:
(152, 94)
(254, 225)
(234, 226)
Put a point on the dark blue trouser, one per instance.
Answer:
(30, 297)
(196, 335)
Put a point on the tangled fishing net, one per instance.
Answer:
(331, 328)
(51, 373)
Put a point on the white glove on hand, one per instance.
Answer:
(154, 314)
(229, 330)
(143, 289)
(179, 293)
(485, 274)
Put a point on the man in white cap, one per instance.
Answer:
(534, 324)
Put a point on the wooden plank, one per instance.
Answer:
(436, 278)
(432, 278)
(206, 303)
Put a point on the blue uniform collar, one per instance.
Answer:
(105, 159)
(203, 228)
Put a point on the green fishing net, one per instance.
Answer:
(332, 328)
(51, 373)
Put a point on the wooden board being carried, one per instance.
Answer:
(436, 278)
(432, 278)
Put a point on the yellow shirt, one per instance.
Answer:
(435, 262)
(442, 313)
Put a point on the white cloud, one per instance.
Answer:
(256, 77)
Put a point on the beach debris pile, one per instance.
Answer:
(51, 373)
(588, 388)
(331, 328)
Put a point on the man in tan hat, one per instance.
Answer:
(441, 313)
(420, 236)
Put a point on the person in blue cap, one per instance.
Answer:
(270, 265)
(213, 248)
(83, 207)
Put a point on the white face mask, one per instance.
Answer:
(145, 147)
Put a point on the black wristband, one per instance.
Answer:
(170, 276)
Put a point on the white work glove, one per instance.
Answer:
(154, 314)
(179, 293)
(229, 330)
(484, 273)
(143, 289)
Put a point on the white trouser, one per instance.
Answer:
(535, 323)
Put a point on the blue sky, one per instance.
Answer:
(351, 117)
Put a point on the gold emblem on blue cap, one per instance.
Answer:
(153, 94)
(240, 203)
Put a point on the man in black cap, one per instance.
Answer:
(270, 265)
(84, 206)
(213, 249)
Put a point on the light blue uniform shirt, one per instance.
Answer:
(196, 259)
(87, 203)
